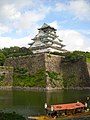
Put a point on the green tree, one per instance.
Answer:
(16, 51)
(2, 59)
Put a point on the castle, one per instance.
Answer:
(46, 41)
(57, 74)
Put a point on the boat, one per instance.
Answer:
(68, 110)
(41, 117)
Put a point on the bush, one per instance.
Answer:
(74, 56)
(11, 116)
(1, 77)
(53, 75)
(37, 79)
(2, 59)
(88, 59)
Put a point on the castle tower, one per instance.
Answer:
(46, 41)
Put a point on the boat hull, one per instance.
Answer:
(42, 117)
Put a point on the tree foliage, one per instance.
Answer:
(75, 55)
(23, 51)
(13, 52)
(22, 78)
(16, 51)
(2, 59)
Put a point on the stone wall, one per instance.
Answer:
(74, 74)
(53, 63)
(88, 67)
(31, 63)
(36, 62)
(6, 74)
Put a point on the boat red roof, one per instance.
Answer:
(68, 106)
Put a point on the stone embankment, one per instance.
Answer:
(6, 87)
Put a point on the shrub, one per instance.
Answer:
(11, 116)
(1, 77)
(37, 79)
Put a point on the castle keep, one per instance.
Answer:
(46, 41)
(57, 74)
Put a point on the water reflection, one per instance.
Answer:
(32, 103)
(6, 99)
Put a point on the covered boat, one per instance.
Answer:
(64, 109)
(69, 110)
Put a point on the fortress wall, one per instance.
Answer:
(73, 73)
(53, 62)
(31, 63)
(6, 74)
(37, 62)
(88, 66)
(53, 65)
(76, 73)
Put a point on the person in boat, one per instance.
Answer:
(45, 106)
(88, 101)
(54, 114)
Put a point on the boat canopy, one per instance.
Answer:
(69, 106)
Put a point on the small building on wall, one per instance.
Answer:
(46, 41)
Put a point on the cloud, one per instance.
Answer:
(54, 24)
(30, 18)
(9, 42)
(22, 4)
(22, 18)
(60, 7)
(88, 49)
(74, 40)
(18, 3)
(21, 15)
(83, 31)
(4, 29)
(71, 38)
(80, 9)
(9, 12)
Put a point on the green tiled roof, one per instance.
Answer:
(46, 26)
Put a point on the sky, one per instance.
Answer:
(20, 20)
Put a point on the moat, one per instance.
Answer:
(32, 102)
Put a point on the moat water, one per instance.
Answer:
(32, 102)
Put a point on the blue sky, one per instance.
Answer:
(19, 20)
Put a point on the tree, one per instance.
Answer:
(2, 59)
(16, 51)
